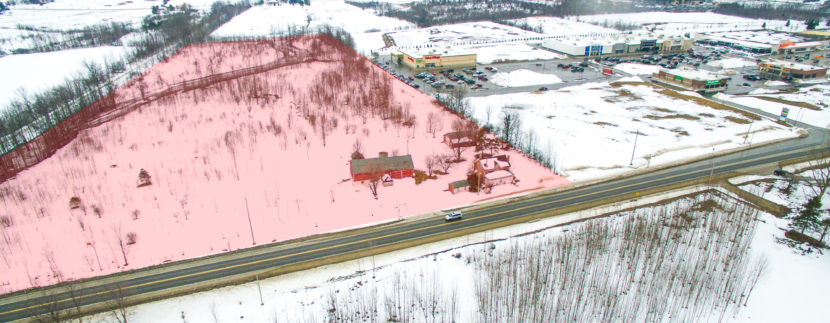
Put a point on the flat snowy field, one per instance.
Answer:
(555, 26)
(678, 23)
(366, 28)
(41, 71)
(431, 272)
(816, 95)
(591, 128)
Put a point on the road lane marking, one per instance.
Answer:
(485, 216)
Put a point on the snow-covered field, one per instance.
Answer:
(440, 281)
(679, 23)
(41, 71)
(637, 68)
(366, 28)
(555, 26)
(591, 128)
(523, 78)
(816, 118)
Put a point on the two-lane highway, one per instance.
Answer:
(152, 281)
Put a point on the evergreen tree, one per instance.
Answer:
(811, 24)
(764, 26)
(788, 23)
(808, 218)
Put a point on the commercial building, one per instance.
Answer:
(762, 42)
(618, 45)
(785, 70)
(434, 58)
(693, 80)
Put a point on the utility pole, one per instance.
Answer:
(637, 134)
(261, 302)
(746, 136)
(251, 226)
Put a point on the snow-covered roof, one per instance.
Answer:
(792, 65)
(498, 174)
(693, 74)
(803, 45)
(615, 39)
(443, 51)
(492, 162)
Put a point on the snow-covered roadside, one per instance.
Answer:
(789, 273)
(808, 116)
(306, 295)
(299, 295)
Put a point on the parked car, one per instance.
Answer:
(453, 216)
(476, 86)
(543, 88)
(747, 85)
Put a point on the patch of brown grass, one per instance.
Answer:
(793, 103)
(737, 120)
(704, 102)
(603, 123)
(707, 115)
(672, 116)
(664, 110)
(627, 94)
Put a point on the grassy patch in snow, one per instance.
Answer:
(671, 116)
(705, 102)
(603, 123)
(737, 120)
(794, 103)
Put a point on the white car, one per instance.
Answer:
(453, 216)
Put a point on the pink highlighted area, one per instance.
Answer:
(235, 144)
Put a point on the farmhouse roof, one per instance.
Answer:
(362, 166)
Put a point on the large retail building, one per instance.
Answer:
(618, 45)
(434, 58)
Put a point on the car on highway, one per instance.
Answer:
(453, 216)
(543, 88)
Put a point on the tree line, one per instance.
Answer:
(30, 114)
(439, 12)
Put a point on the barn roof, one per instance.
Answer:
(362, 166)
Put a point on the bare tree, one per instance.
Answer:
(444, 162)
(429, 161)
(357, 146)
(821, 176)
(119, 304)
(432, 123)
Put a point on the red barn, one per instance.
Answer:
(396, 166)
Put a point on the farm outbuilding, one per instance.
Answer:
(396, 167)
(459, 186)
(460, 138)
(499, 177)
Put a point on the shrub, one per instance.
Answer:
(5, 221)
(144, 178)
(131, 238)
(74, 202)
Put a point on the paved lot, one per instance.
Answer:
(593, 73)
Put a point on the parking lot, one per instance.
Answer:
(581, 70)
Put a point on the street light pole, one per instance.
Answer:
(637, 134)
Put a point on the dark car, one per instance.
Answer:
(543, 88)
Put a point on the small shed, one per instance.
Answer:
(459, 186)
(396, 167)
(386, 180)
